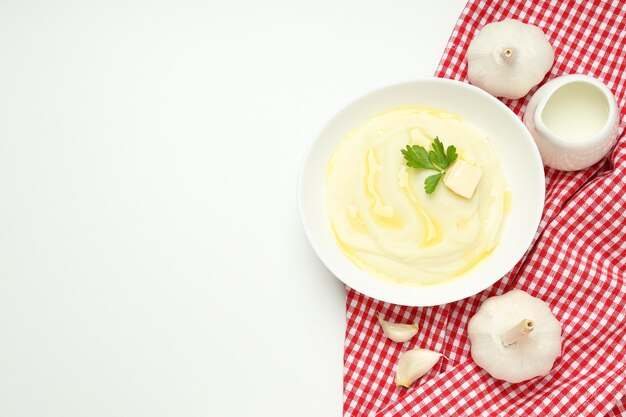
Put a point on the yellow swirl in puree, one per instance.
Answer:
(380, 214)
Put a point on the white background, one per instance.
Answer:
(152, 261)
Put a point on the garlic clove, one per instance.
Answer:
(508, 58)
(397, 332)
(413, 364)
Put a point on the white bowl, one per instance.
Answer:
(520, 161)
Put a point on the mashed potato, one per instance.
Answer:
(380, 214)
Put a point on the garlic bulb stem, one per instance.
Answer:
(507, 53)
(520, 331)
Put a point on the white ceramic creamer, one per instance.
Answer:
(573, 120)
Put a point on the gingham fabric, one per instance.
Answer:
(577, 263)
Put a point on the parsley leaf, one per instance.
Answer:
(451, 155)
(437, 159)
(417, 157)
(438, 155)
(430, 183)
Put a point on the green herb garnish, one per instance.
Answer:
(437, 160)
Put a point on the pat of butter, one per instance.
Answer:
(462, 178)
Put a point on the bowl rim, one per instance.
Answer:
(465, 291)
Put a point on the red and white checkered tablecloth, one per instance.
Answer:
(577, 263)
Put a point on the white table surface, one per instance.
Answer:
(152, 261)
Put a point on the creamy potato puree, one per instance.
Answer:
(383, 219)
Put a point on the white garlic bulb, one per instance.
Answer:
(397, 332)
(508, 58)
(414, 364)
(515, 337)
